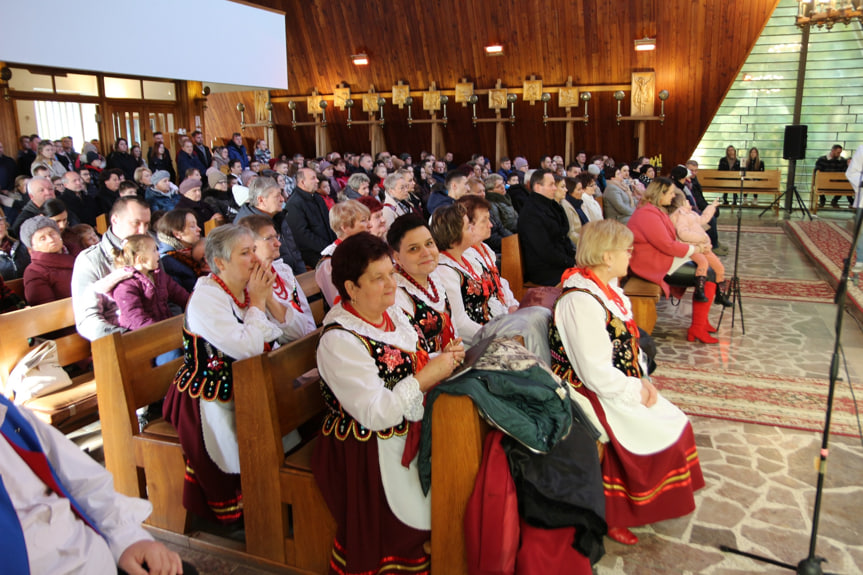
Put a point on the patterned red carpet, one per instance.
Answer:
(827, 243)
(814, 291)
(793, 402)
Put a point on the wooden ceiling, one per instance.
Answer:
(701, 45)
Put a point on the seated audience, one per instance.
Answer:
(659, 257)
(62, 515)
(13, 254)
(109, 189)
(289, 307)
(160, 160)
(226, 321)
(144, 179)
(618, 200)
(265, 198)
(142, 299)
(358, 186)
(395, 198)
(455, 187)
(39, 190)
(187, 160)
(374, 374)
(95, 311)
(308, 218)
(191, 199)
(501, 203)
(650, 469)
(421, 293)
(49, 276)
(79, 238)
(179, 235)
(160, 194)
(77, 200)
(542, 232)
(377, 224)
(473, 293)
(346, 219)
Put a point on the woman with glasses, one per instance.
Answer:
(650, 469)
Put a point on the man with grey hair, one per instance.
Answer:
(94, 275)
(39, 190)
(308, 217)
(265, 199)
(77, 201)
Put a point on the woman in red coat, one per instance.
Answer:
(49, 276)
(660, 258)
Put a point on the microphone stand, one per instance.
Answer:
(734, 282)
(811, 565)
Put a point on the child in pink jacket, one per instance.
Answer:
(691, 228)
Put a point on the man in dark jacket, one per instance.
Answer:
(237, 151)
(202, 151)
(188, 160)
(309, 218)
(265, 199)
(77, 201)
(121, 159)
(40, 190)
(456, 186)
(542, 233)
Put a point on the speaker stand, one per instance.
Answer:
(792, 190)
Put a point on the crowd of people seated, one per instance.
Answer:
(407, 256)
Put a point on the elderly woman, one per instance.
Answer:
(226, 321)
(144, 178)
(661, 258)
(421, 293)
(650, 470)
(374, 374)
(358, 186)
(377, 224)
(617, 198)
(288, 307)
(178, 234)
(49, 276)
(346, 219)
(191, 199)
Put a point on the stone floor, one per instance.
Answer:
(760, 479)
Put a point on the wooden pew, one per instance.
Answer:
(511, 266)
(286, 518)
(101, 224)
(148, 463)
(314, 295)
(725, 182)
(17, 287)
(829, 184)
(72, 406)
(643, 295)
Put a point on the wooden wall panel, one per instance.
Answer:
(701, 44)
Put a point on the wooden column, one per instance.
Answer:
(322, 141)
(568, 153)
(437, 145)
(500, 148)
(8, 125)
(376, 137)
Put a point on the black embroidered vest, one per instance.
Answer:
(394, 364)
(206, 372)
(624, 355)
(429, 322)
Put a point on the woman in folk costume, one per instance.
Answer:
(421, 294)
(374, 374)
(226, 321)
(650, 470)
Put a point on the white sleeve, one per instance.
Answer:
(117, 516)
(508, 297)
(350, 372)
(580, 319)
(211, 316)
(324, 279)
(467, 328)
(296, 324)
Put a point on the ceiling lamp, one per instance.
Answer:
(494, 50)
(360, 59)
(645, 44)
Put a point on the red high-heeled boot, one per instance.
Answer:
(700, 311)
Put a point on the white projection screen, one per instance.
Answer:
(205, 40)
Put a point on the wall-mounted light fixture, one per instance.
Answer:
(360, 59)
(585, 97)
(663, 96)
(619, 96)
(494, 50)
(511, 98)
(645, 44)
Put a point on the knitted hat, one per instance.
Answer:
(158, 176)
(324, 165)
(215, 177)
(33, 225)
(189, 184)
(519, 163)
(594, 169)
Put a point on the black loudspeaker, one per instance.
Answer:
(795, 142)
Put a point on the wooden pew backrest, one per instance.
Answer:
(77, 404)
(286, 519)
(146, 463)
(16, 287)
(830, 184)
(314, 295)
